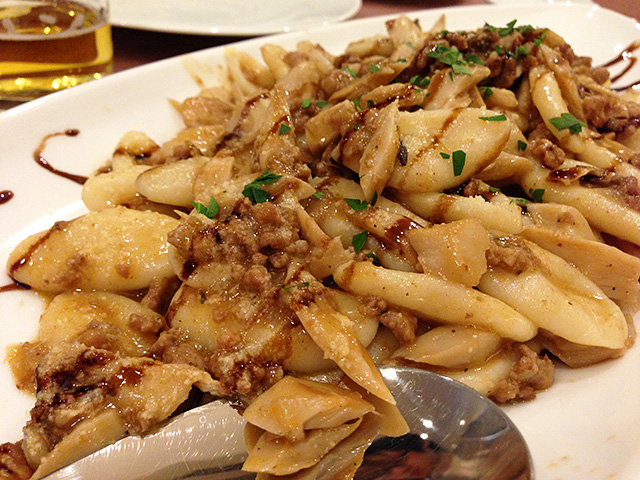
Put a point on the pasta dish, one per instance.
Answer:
(464, 202)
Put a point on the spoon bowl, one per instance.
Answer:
(455, 434)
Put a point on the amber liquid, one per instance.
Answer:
(49, 46)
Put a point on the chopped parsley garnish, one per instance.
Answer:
(356, 103)
(494, 118)
(402, 60)
(536, 194)
(373, 257)
(567, 121)
(410, 44)
(445, 155)
(304, 284)
(374, 200)
(474, 59)
(356, 127)
(538, 41)
(356, 204)
(370, 103)
(458, 158)
(503, 31)
(350, 72)
(521, 50)
(359, 240)
(321, 104)
(374, 68)
(306, 102)
(318, 195)
(522, 146)
(525, 29)
(486, 92)
(211, 211)
(452, 57)
(419, 81)
(254, 192)
(284, 128)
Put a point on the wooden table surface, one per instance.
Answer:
(137, 47)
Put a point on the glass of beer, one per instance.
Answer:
(50, 45)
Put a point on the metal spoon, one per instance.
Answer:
(456, 434)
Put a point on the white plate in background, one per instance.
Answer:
(230, 17)
(586, 426)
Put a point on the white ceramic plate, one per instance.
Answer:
(587, 426)
(230, 17)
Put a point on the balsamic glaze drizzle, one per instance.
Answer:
(626, 55)
(40, 160)
(5, 196)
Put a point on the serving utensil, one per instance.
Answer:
(456, 434)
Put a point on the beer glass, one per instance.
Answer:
(50, 45)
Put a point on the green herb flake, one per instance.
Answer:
(452, 57)
(402, 60)
(211, 211)
(356, 204)
(283, 129)
(524, 29)
(494, 189)
(289, 287)
(374, 68)
(410, 44)
(356, 127)
(540, 40)
(461, 69)
(522, 146)
(458, 158)
(445, 155)
(494, 118)
(419, 81)
(509, 29)
(536, 194)
(374, 200)
(521, 50)
(318, 195)
(321, 104)
(373, 257)
(306, 102)
(350, 72)
(356, 103)
(567, 121)
(486, 92)
(474, 59)
(254, 192)
(370, 103)
(359, 240)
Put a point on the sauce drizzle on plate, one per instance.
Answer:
(40, 160)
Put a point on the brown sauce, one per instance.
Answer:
(40, 160)
(397, 231)
(5, 196)
(626, 55)
(27, 257)
(12, 287)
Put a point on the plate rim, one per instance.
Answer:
(76, 95)
(354, 7)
